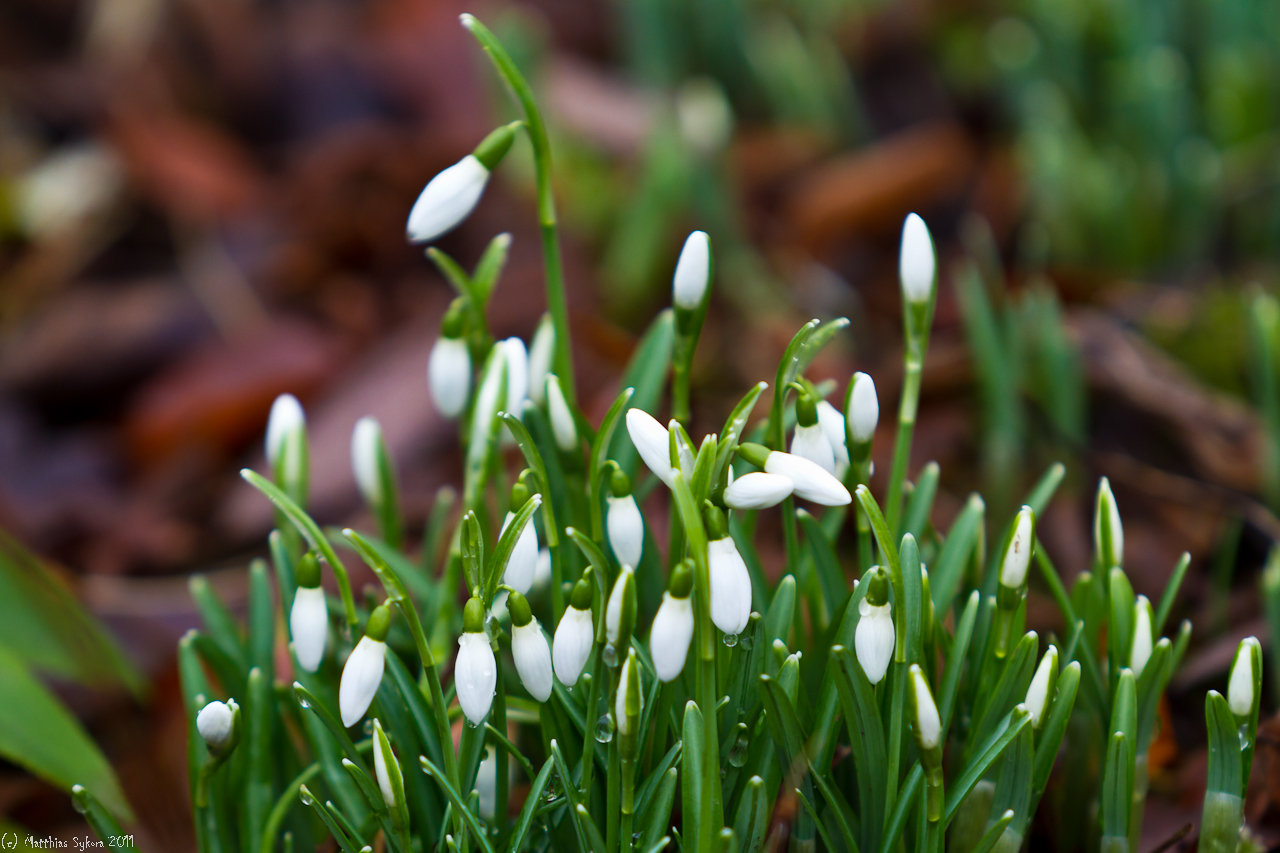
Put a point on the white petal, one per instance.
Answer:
(309, 626)
(532, 655)
(864, 408)
(517, 374)
(475, 676)
(874, 638)
(1240, 688)
(1140, 651)
(810, 481)
(730, 587)
(572, 645)
(541, 354)
(916, 262)
(381, 771)
(1038, 692)
(670, 636)
(613, 609)
(286, 416)
(365, 439)
(928, 724)
(447, 199)
(562, 425)
(449, 376)
(360, 679)
(1013, 571)
(692, 271)
(832, 423)
(626, 530)
(810, 442)
(524, 558)
(757, 490)
(214, 722)
(652, 442)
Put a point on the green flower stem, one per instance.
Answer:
(289, 796)
(897, 712)
(537, 131)
(866, 556)
(613, 788)
(501, 758)
(681, 365)
(916, 319)
(593, 705)
(628, 804)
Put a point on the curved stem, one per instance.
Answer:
(290, 794)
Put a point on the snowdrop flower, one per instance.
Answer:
(574, 635)
(757, 490)
(809, 441)
(475, 672)
(808, 479)
(309, 616)
(563, 427)
(1017, 551)
(627, 704)
(1042, 685)
(624, 522)
(542, 351)
(672, 629)
(833, 427)
(529, 649)
(1246, 673)
(285, 418)
(620, 612)
(286, 446)
(730, 581)
(451, 195)
(449, 376)
(387, 768)
(363, 672)
(916, 262)
(217, 724)
(523, 562)
(862, 411)
(1108, 532)
(367, 450)
(1140, 650)
(874, 638)
(652, 442)
(693, 272)
(925, 721)
(517, 358)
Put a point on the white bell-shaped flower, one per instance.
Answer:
(363, 671)
(757, 490)
(449, 376)
(672, 630)
(810, 442)
(216, 724)
(563, 427)
(809, 480)
(916, 262)
(1242, 687)
(447, 199)
(309, 626)
(863, 411)
(833, 427)
(693, 272)
(625, 526)
(529, 649)
(575, 635)
(475, 671)
(730, 586)
(652, 442)
(523, 564)
(874, 638)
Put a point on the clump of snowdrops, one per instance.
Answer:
(542, 677)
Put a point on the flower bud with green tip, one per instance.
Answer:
(730, 580)
(874, 638)
(672, 630)
(926, 725)
(1244, 687)
(1015, 560)
(862, 413)
(363, 671)
(541, 353)
(309, 615)
(563, 427)
(809, 441)
(529, 649)
(1108, 532)
(917, 264)
(575, 634)
(1043, 683)
(620, 614)
(623, 521)
(627, 704)
(286, 447)
(451, 195)
(523, 562)
(390, 778)
(449, 365)
(475, 672)
(809, 480)
(219, 725)
(693, 273)
(1143, 636)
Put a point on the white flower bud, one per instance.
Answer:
(730, 586)
(532, 655)
(652, 442)
(832, 423)
(916, 262)
(562, 425)
(574, 638)
(517, 374)
(309, 626)
(757, 490)
(366, 439)
(1241, 690)
(286, 416)
(385, 765)
(1038, 692)
(1140, 650)
(1106, 507)
(523, 564)
(449, 376)
(864, 408)
(360, 679)
(810, 442)
(626, 529)
(1013, 570)
(670, 636)
(542, 353)
(928, 724)
(615, 609)
(447, 199)
(808, 480)
(475, 676)
(874, 638)
(693, 272)
(216, 724)
(625, 722)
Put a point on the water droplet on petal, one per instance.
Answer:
(731, 640)
(610, 655)
(738, 755)
(304, 703)
(604, 728)
(368, 727)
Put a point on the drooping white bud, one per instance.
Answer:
(449, 376)
(670, 636)
(757, 490)
(532, 655)
(652, 442)
(808, 480)
(286, 416)
(693, 272)
(475, 675)
(523, 563)
(833, 427)
(874, 638)
(1038, 692)
(864, 408)
(542, 352)
(216, 724)
(1143, 642)
(810, 442)
(366, 439)
(309, 626)
(562, 424)
(927, 723)
(916, 262)
(360, 679)
(1013, 569)
(1242, 689)
(625, 525)
(730, 586)
(447, 199)
(572, 646)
